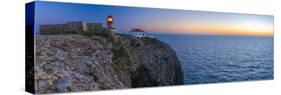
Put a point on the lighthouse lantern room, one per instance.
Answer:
(110, 23)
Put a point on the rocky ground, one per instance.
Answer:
(68, 63)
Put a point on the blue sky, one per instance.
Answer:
(155, 20)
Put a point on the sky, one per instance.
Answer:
(153, 20)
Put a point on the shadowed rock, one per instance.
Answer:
(67, 63)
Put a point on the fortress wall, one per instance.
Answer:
(74, 26)
(78, 26)
(84, 27)
(94, 27)
(49, 29)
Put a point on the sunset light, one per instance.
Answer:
(162, 21)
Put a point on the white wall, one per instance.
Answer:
(12, 47)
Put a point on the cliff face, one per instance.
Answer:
(66, 63)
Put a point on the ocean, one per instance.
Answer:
(212, 59)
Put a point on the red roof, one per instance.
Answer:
(110, 16)
(137, 30)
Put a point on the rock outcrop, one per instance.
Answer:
(67, 63)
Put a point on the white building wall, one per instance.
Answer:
(139, 34)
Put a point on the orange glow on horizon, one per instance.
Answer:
(220, 30)
(248, 29)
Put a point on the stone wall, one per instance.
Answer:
(77, 26)
(49, 29)
(97, 27)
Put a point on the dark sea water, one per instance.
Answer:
(211, 59)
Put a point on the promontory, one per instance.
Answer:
(77, 62)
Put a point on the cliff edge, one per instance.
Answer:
(73, 62)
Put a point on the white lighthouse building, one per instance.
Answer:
(138, 32)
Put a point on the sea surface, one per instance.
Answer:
(212, 59)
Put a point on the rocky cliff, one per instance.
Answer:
(66, 63)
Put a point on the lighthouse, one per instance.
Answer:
(110, 25)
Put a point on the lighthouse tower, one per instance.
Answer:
(110, 23)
